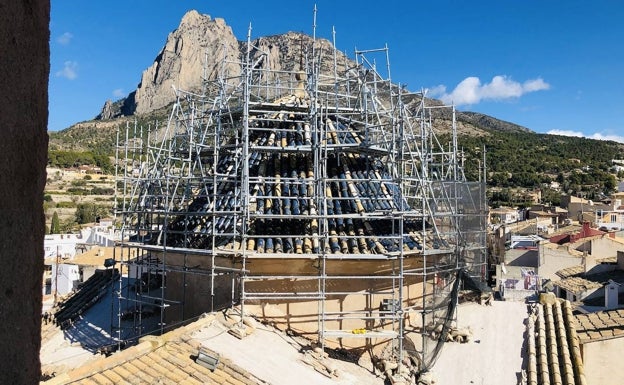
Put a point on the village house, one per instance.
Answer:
(613, 218)
(582, 209)
(601, 337)
(562, 260)
(505, 215)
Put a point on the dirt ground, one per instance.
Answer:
(495, 355)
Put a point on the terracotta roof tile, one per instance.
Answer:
(166, 360)
(135, 372)
(90, 381)
(114, 376)
(571, 271)
(190, 381)
(600, 325)
(102, 380)
(577, 284)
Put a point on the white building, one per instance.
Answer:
(65, 279)
(63, 245)
(505, 215)
(66, 246)
(103, 234)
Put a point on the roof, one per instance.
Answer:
(608, 260)
(571, 271)
(94, 257)
(585, 232)
(577, 284)
(544, 214)
(503, 210)
(268, 356)
(166, 359)
(599, 326)
(550, 333)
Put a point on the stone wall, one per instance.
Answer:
(24, 71)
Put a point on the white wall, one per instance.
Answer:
(605, 247)
(555, 259)
(62, 244)
(603, 361)
(68, 276)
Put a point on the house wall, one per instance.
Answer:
(63, 245)
(605, 247)
(521, 257)
(555, 259)
(64, 278)
(620, 260)
(611, 219)
(87, 272)
(602, 361)
(517, 283)
(574, 208)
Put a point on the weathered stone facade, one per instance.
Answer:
(24, 72)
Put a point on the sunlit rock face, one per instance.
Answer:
(181, 63)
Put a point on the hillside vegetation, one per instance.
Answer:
(515, 158)
(527, 160)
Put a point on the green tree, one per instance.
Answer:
(55, 226)
(89, 212)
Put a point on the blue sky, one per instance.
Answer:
(551, 66)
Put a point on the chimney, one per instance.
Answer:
(586, 229)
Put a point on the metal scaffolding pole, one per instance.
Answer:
(329, 168)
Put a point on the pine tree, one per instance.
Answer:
(55, 226)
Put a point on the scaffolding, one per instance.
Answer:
(305, 185)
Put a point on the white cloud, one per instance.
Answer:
(65, 38)
(615, 138)
(535, 85)
(471, 91)
(566, 133)
(595, 135)
(435, 92)
(69, 70)
(118, 93)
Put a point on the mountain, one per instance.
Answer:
(199, 49)
(205, 48)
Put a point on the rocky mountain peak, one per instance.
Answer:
(199, 44)
(206, 48)
(198, 49)
(107, 111)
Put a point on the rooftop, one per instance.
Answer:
(571, 271)
(552, 346)
(167, 359)
(599, 326)
(497, 331)
(265, 356)
(579, 284)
